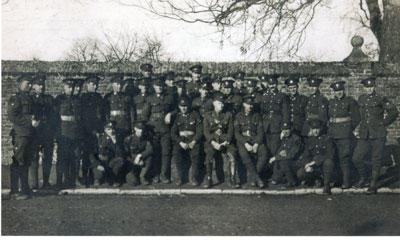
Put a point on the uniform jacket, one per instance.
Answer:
(318, 149)
(135, 145)
(68, 105)
(291, 145)
(21, 110)
(192, 89)
(190, 122)
(372, 108)
(202, 105)
(342, 108)
(218, 127)
(141, 111)
(159, 106)
(233, 103)
(92, 118)
(119, 102)
(275, 110)
(248, 128)
(317, 108)
(48, 118)
(297, 109)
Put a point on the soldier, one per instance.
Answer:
(343, 119)
(286, 156)
(203, 103)
(233, 102)
(239, 82)
(216, 85)
(275, 111)
(249, 136)
(78, 87)
(68, 135)
(129, 87)
(192, 87)
(118, 107)
(140, 154)
(147, 70)
(48, 122)
(317, 159)
(186, 134)
(250, 90)
(180, 89)
(21, 112)
(170, 88)
(297, 105)
(317, 106)
(218, 131)
(161, 114)
(109, 162)
(372, 132)
(141, 110)
(92, 121)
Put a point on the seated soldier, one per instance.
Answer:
(186, 134)
(140, 154)
(317, 159)
(249, 140)
(286, 156)
(108, 163)
(218, 131)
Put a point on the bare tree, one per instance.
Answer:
(120, 49)
(150, 49)
(84, 50)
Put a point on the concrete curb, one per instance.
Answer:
(159, 192)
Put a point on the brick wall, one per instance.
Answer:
(388, 83)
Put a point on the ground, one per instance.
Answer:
(344, 214)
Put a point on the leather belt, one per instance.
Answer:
(156, 115)
(186, 133)
(117, 113)
(139, 111)
(340, 119)
(248, 133)
(67, 118)
(312, 116)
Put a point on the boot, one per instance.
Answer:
(373, 188)
(346, 178)
(327, 189)
(208, 183)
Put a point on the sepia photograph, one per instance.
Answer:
(200, 118)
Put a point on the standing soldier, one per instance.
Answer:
(141, 110)
(203, 103)
(343, 119)
(286, 156)
(297, 105)
(218, 130)
(239, 87)
(92, 121)
(161, 113)
(186, 134)
(275, 111)
(317, 106)
(170, 88)
(317, 159)
(250, 91)
(192, 87)
(233, 102)
(119, 108)
(69, 133)
(21, 113)
(249, 136)
(45, 103)
(109, 161)
(140, 154)
(372, 133)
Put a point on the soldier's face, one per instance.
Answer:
(146, 73)
(339, 94)
(38, 88)
(218, 105)
(247, 107)
(238, 83)
(91, 87)
(138, 132)
(183, 109)
(370, 90)
(109, 131)
(226, 91)
(313, 89)
(250, 89)
(292, 90)
(169, 82)
(315, 132)
(68, 89)
(286, 132)
(142, 88)
(203, 92)
(158, 89)
(272, 86)
(116, 87)
(77, 90)
(25, 86)
(196, 76)
(216, 86)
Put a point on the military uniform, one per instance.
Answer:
(249, 130)
(286, 156)
(187, 129)
(108, 163)
(343, 119)
(69, 110)
(46, 135)
(118, 107)
(92, 121)
(192, 87)
(203, 104)
(21, 112)
(250, 91)
(317, 106)
(140, 155)
(159, 106)
(297, 108)
(319, 152)
(141, 110)
(239, 77)
(275, 111)
(372, 132)
(233, 102)
(218, 127)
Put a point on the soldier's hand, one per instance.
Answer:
(255, 148)
(272, 160)
(248, 147)
(100, 168)
(356, 134)
(191, 144)
(138, 158)
(283, 153)
(35, 123)
(183, 145)
(308, 169)
(215, 145)
(167, 118)
(102, 157)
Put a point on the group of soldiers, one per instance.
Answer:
(132, 133)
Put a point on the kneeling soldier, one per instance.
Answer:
(109, 162)
(318, 155)
(186, 134)
(249, 139)
(218, 131)
(140, 153)
(285, 156)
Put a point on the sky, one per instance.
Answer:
(47, 29)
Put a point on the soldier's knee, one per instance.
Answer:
(301, 174)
